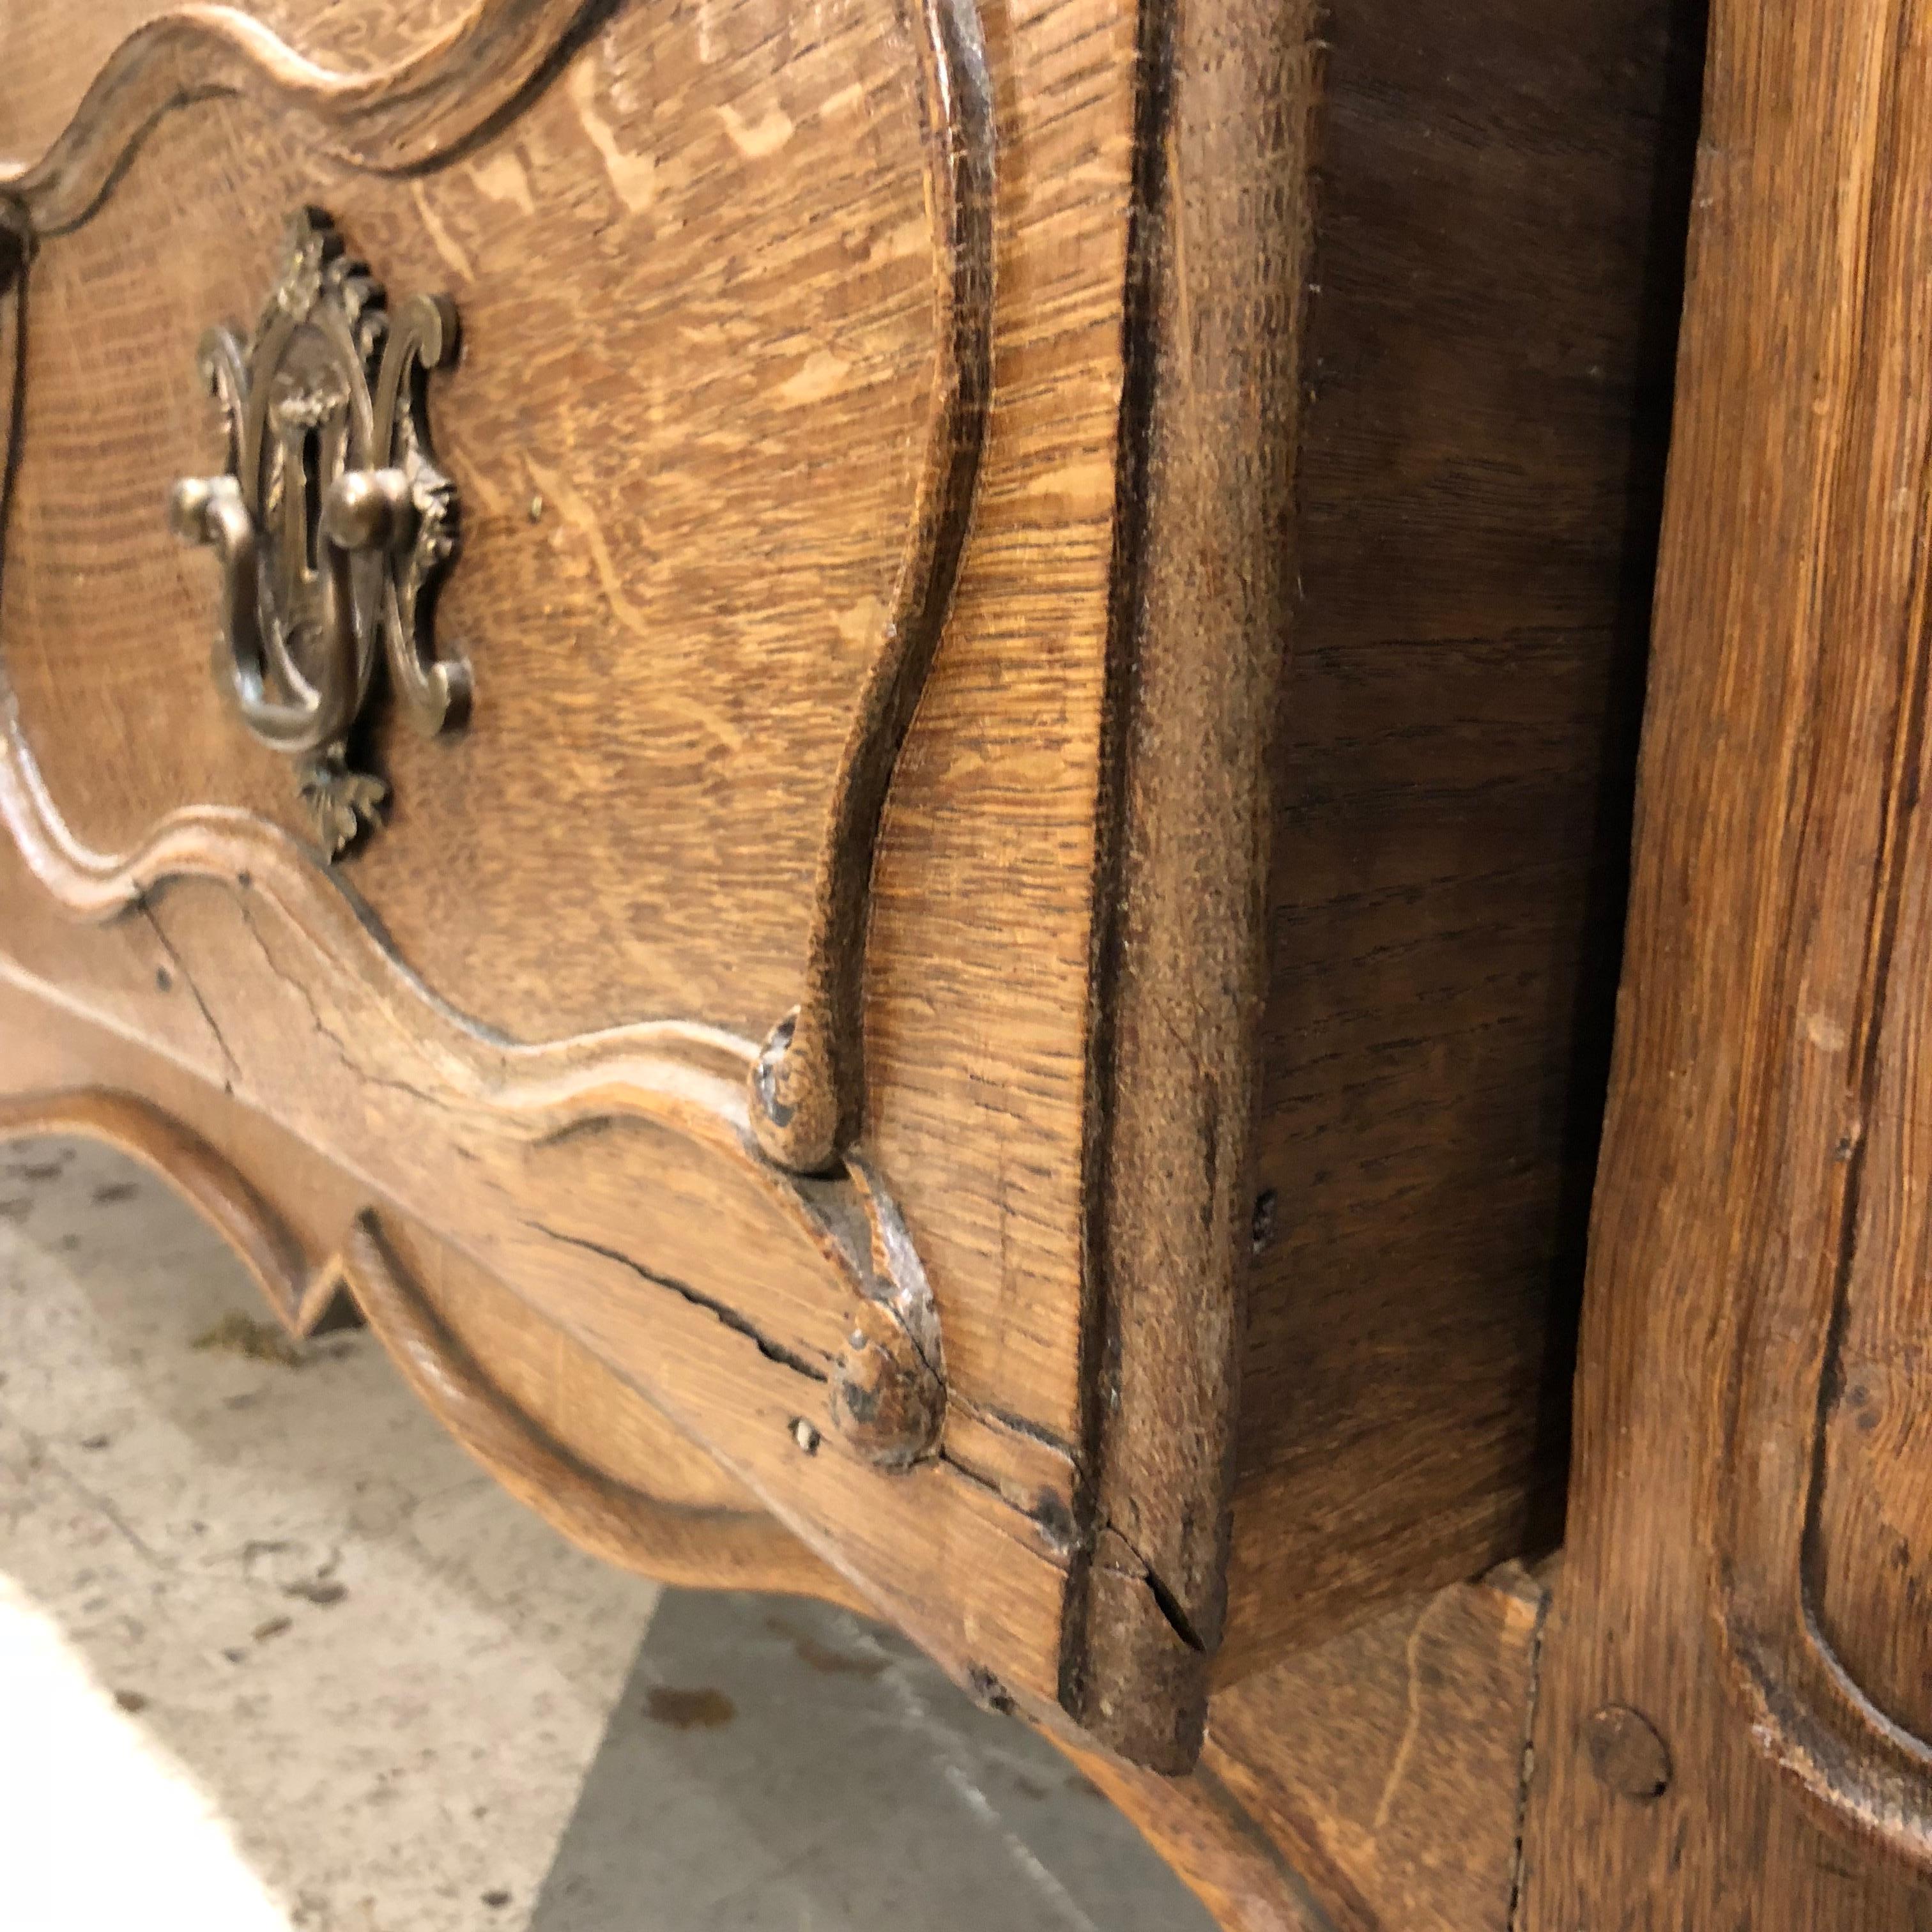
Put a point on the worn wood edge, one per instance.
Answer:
(1203, 586)
(808, 1085)
(675, 1543)
(426, 108)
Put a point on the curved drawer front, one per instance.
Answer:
(686, 432)
(667, 968)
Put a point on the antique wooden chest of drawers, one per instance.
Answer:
(876, 755)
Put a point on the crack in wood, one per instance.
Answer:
(194, 992)
(1173, 1611)
(1526, 1764)
(775, 1351)
(323, 1031)
(1053, 1523)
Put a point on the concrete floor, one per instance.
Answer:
(276, 1657)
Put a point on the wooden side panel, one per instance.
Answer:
(1372, 1784)
(1499, 194)
(1751, 1533)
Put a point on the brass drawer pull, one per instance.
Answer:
(332, 522)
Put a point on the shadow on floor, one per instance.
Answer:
(775, 1763)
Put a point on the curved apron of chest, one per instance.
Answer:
(697, 1545)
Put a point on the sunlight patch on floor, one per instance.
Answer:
(98, 1828)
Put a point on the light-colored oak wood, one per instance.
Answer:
(1751, 1520)
(898, 448)
(545, 1418)
(49, 56)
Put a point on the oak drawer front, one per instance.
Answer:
(610, 963)
(825, 914)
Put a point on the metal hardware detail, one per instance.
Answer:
(332, 524)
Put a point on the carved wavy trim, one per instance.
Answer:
(257, 1235)
(808, 1084)
(1809, 1713)
(1856, 1764)
(622, 1525)
(450, 92)
(888, 1387)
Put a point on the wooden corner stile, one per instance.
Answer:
(1203, 576)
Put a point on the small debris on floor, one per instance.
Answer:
(238, 1334)
(316, 1590)
(132, 1702)
(274, 1627)
(847, 1800)
(688, 1710)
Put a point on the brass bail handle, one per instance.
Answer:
(332, 524)
(363, 510)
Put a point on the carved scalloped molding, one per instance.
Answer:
(1809, 1713)
(676, 1544)
(426, 109)
(690, 1078)
(809, 1083)
(788, 1115)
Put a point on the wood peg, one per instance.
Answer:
(887, 1401)
(1626, 1753)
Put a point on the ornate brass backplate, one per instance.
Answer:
(332, 523)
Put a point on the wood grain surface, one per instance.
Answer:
(1338, 339)
(1751, 1522)
(686, 621)
(372, 1011)
(50, 55)
(1500, 195)
(1370, 1783)
(1203, 576)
